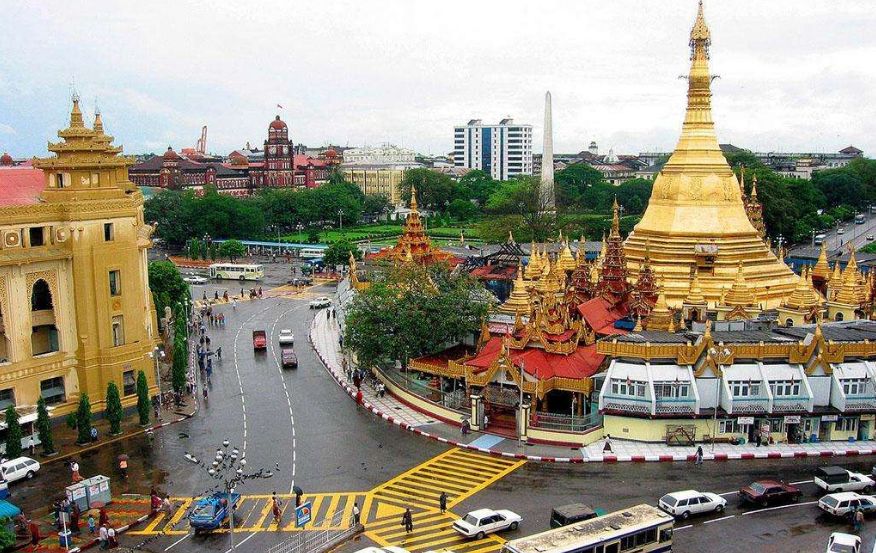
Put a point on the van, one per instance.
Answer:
(18, 468)
(570, 514)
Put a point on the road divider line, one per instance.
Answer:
(168, 548)
(719, 519)
(243, 541)
(683, 527)
(778, 508)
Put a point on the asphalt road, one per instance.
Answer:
(335, 452)
(837, 243)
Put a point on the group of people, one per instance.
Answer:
(217, 320)
(66, 510)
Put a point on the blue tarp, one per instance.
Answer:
(7, 509)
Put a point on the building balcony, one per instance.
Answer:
(791, 404)
(860, 402)
(745, 405)
(676, 406)
(627, 404)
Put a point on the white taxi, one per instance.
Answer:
(481, 522)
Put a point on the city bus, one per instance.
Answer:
(236, 271)
(642, 528)
(311, 253)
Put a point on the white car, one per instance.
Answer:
(286, 337)
(194, 279)
(691, 502)
(320, 302)
(843, 543)
(18, 468)
(481, 522)
(841, 504)
(871, 237)
(837, 479)
(841, 231)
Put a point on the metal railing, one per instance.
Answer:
(566, 423)
(316, 541)
(456, 400)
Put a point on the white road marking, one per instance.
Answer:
(779, 507)
(177, 541)
(237, 371)
(719, 519)
(243, 541)
(683, 527)
(734, 492)
(801, 482)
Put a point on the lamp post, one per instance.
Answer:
(341, 218)
(520, 405)
(299, 227)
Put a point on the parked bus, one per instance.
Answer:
(641, 528)
(311, 253)
(234, 271)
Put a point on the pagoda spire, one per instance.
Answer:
(739, 295)
(822, 269)
(414, 206)
(76, 121)
(615, 219)
(98, 122)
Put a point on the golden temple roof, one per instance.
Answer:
(696, 210)
(695, 293)
(566, 260)
(661, 316)
(413, 244)
(518, 301)
(740, 294)
(821, 268)
(804, 297)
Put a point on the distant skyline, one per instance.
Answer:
(794, 75)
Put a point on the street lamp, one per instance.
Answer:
(341, 218)
(300, 227)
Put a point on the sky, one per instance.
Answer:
(795, 75)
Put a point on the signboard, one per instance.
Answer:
(792, 419)
(829, 418)
(303, 514)
(78, 493)
(868, 417)
(745, 420)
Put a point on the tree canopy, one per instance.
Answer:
(231, 249)
(434, 190)
(167, 286)
(339, 252)
(413, 310)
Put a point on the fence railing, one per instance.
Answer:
(567, 423)
(339, 530)
(456, 400)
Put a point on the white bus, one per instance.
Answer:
(642, 528)
(311, 253)
(234, 271)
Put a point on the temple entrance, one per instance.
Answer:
(500, 406)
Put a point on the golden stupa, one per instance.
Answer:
(696, 217)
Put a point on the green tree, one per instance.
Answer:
(434, 189)
(114, 411)
(413, 310)
(175, 212)
(7, 535)
(44, 427)
(462, 210)
(339, 253)
(841, 186)
(142, 398)
(377, 205)
(573, 181)
(231, 249)
(522, 197)
(179, 368)
(14, 434)
(83, 420)
(167, 286)
(633, 195)
(476, 185)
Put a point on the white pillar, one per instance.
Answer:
(547, 159)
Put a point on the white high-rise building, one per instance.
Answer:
(504, 150)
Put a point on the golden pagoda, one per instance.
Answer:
(661, 317)
(413, 245)
(803, 306)
(566, 260)
(696, 217)
(518, 301)
(534, 267)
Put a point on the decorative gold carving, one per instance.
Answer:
(696, 188)
(51, 278)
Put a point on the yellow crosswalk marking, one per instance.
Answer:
(155, 522)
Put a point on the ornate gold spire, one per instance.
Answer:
(565, 260)
(740, 295)
(414, 206)
(76, 121)
(615, 219)
(822, 269)
(696, 208)
(850, 292)
(98, 122)
(804, 297)
(661, 316)
(518, 301)
(533, 268)
(695, 293)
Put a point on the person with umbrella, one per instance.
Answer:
(408, 521)
(275, 509)
(298, 493)
(123, 465)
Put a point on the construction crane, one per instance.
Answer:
(201, 146)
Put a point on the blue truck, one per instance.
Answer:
(209, 513)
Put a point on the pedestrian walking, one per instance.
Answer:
(859, 520)
(356, 513)
(166, 506)
(74, 468)
(486, 421)
(31, 445)
(225, 296)
(607, 447)
(34, 532)
(103, 537)
(465, 427)
(103, 518)
(408, 521)
(75, 514)
(92, 524)
(205, 392)
(111, 537)
(241, 293)
(205, 296)
(442, 501)
(699, 455)
(123, 466)
(275, 509)
(219, 352)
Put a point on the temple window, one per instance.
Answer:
(846, 424)
(115, 283)
(108, 232)
(854, 386)
(785, 387)
(7, 398)
(60, 182)
(37, 236)
(838, 317)
(129, 383)
(744, 388)
(41, 296)
(789, 322)
(727, 426)
(628, 387)
(4, 348)
(671, 389)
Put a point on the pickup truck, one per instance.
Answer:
(838, 479)
(259, 340)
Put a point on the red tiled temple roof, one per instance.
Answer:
(21, 185)
(601, 315)
(539, 363)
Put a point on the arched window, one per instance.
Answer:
(839, 317)
(41, 296)
(789, 322)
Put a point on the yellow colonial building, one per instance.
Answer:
(377, 180)
(76, 312)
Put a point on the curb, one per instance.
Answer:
(119, 530)
(684, 457)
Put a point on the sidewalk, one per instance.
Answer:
(324, 339)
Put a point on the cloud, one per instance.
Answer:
(7, 129)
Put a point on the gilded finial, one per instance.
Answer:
(75, 114)
(413, 198)
(700, 31)
(754, 187)
(98, 122)
(615, 219)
